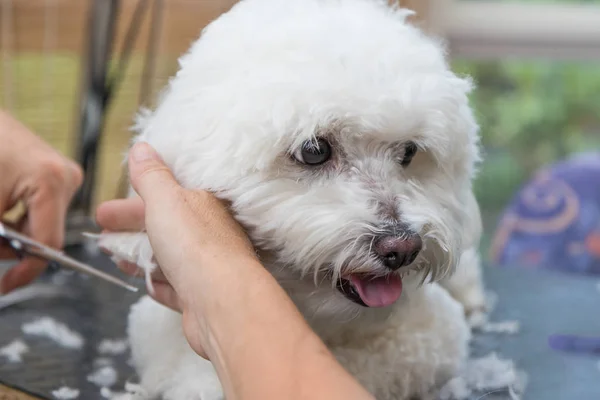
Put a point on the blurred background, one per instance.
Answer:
(535, 63)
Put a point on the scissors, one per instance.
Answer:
(24, 245)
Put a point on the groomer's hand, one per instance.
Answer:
(187, 229)
(195, 220)
(34, 173)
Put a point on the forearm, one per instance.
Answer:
(261, 345)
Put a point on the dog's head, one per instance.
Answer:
(338, 133)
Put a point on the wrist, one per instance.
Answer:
(219, 282)
(256, 332)
(215, 287)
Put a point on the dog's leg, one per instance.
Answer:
(466, 284)
(168, 368)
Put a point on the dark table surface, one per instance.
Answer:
(544, 302)
(548, 303)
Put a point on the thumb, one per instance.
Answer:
(149, 175)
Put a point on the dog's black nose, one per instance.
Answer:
(396, 252)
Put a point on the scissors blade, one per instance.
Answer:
(29, 246)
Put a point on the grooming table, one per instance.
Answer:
(547, 303)
(95, 309)
(544, 302)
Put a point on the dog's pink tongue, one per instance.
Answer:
(378, 292)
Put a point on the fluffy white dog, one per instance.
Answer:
(346, 148)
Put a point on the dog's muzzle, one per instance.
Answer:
(394, 252)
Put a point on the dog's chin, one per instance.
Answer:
(374, 291)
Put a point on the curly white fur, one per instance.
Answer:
(262, 80)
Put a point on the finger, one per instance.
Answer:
(75, 175)
(148, 173)
(166, 295)
(7, 253)
(22, 274)
(3, 206)
(158, 276)
(121, 215)
(46, 214)
(44, 223)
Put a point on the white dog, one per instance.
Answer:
(346, 148)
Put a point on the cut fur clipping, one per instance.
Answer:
(65, 393)
(54, 330)
(14, 351)
(479, 321)
(507, 327)
(113, 346)
(485, 375)
(103, 377)
(103, 362)
(132, 392)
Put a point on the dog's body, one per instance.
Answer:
(346, 148)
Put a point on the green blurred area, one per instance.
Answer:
(531, 113)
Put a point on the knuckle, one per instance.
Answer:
(76, 173)
(59, 175)
(54, 172)
(157, 169)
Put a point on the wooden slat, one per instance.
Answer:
(185, 19)
(7, 393)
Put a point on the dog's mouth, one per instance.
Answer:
(371, 291)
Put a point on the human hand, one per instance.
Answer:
(189, 231)
(44, 181)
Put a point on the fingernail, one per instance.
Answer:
(142, 151)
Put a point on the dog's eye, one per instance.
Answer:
(410, 149)
(314, 152)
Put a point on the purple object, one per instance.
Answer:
(554, 220)
(575, 344)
